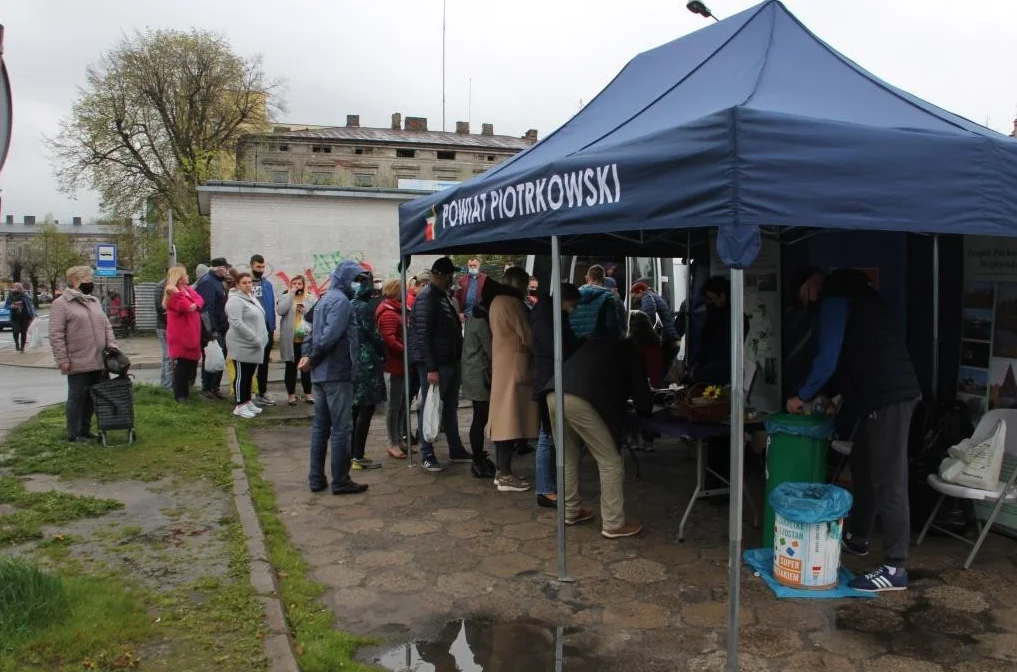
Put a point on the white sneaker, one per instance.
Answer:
(243, 412)
(250, 406)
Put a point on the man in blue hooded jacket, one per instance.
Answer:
(331, 352)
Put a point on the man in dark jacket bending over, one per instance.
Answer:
(598, 380)
(862, 355)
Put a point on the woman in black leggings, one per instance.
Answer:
(476, 384)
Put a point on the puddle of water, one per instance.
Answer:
(470, 645)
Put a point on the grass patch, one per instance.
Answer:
(74, 623)
(35, 509)
(183, 441)
(29, 599)
(320, 647)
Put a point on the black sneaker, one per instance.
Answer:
(882, 580)
(432, 464)
(459, 456)
(855, 545)
(483, 469)
(350, 488)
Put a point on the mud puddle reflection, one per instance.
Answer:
(470, 645)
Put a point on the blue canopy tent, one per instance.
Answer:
(751, 126)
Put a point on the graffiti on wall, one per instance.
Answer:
(317, 274)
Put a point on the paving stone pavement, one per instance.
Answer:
(421, 549)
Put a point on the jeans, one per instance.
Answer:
(263, 368)
(244, 382)
(183, 374)
(333, 411)
(212, 380)
(546, 470)
(79, 403)
(449, 380)
(291, 373)
(395, 416)
(166, 373)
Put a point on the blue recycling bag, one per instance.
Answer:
(810, 502)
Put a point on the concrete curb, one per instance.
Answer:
(278, 647)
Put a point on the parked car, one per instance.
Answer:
(5, 318)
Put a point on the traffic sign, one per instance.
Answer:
(105, 259)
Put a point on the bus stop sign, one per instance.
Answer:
(106, 259)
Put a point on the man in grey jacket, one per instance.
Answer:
(331, 351)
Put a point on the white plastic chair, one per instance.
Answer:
(1005, 492)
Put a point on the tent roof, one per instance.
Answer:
(747, 123)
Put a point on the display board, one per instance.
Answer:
(988, 369)
(762, 306)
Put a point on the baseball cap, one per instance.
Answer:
(219, 261)
(444, 266)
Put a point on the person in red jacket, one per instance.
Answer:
(390, 323)
(183, 329)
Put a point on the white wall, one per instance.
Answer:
(308, 234)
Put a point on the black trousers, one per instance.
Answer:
(79, 403)
(184, 371)
(263, 368)
(481, 412)
(879, 466)
(20, 332)
(361, 426)
(291, 373)
(503, 451)
(244, 382)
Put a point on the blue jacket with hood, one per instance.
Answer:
(596, 315)
(333, 345)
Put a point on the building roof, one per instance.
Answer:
(234, 188)
(85, 229)
(398, 136)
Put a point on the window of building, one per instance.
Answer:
(446, 156)
(321, 149)
(364, 150)
(280, 177)
(321, 177)
(490, 157)
(406, 153)
(284, 148)
(363, 180)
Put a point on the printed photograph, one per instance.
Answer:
(980, 295)
(1004, 333)
(973, 381)
(1002, 383)
(977, 325)
(975, 353)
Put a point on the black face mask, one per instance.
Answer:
(299, 292)
(86, 287)
(257, 274)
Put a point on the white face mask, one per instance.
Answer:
(355, 288)
(474, 271)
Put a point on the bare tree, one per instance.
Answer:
(159, 114)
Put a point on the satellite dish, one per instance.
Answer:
(6, 106)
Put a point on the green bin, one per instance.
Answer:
(795, 453)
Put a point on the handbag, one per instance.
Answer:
(115, 362)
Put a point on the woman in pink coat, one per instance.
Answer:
(183, 329)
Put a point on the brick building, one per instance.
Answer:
(356, 156)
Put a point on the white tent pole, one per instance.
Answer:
(737, 301)
(559, 406)
(935, 316)
(406, 366)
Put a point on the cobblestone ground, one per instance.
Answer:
(420, 549)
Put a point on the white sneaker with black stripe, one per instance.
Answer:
(884, 579)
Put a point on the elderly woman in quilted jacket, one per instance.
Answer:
(78, 333)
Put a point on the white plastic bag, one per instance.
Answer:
(214, 360)
(976, 462)
(34, 335)
(432, 414)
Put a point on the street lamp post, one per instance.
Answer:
(700, 8)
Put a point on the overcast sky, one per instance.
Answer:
(531, 61)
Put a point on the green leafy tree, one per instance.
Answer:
(159, 114)
(53, 251)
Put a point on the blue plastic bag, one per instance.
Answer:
(816, 426)
(810, 502)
